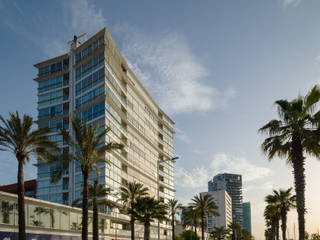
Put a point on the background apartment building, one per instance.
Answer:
(246, 209)
(93, 81)
(232, 183)
(224, 203)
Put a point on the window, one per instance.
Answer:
(50, 84)
(124, 167)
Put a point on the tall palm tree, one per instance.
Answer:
(205, 205)
(146, 209)
(90, 151)
(285, 201)
(17, 136)
(173, 206)
(97, 194)
(293, 135)
(130, 192)
(272, 215)
(219, 233)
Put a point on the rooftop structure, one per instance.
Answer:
(30, 188)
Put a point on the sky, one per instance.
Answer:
(216, 67)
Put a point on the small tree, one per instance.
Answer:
(146, 210)
(235, 231)
(219, 233)
(189, 235)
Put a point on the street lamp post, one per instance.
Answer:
(158, 192)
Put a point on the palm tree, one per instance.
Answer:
(17, 136)
(235, 230)
(285, 202)
(90, 151)
(205, 205)
(246, 235)
(97, 194)
(173, 207)
(272, 215)
(146, 209)
(190, 217)
(219, 233)
(295, 134)
(130, 192)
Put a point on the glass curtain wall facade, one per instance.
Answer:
(93, 81)
(246, 208)
(232, 183)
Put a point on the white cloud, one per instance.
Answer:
(221, 163)
(293, 3)
(169, 70)
(84, 17)
(181, 135)
(197, 178)
(239, 165)
(264, 186)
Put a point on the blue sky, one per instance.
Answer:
(215, 66)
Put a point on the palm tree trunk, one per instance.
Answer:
(146, 230)
(85, 206)
(202, 226)
(132, 220)
(299, 180)
(273, 230)
(95, 220)
(284, 225)
(277, 230)
(172, 225)
(21, 209)
(195, 229)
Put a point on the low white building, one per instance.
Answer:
(224, 203)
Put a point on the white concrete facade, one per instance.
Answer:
(224, 203)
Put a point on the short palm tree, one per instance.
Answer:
(147, 209)
(90, 151)
(246, 235)
(98, 194)
(190, 218)
(204, 205)
(219, 233)
(272, 215)
(173, 206)
(235, 230)
(285, 201)
(295, 134)
(130, 192)
(17, 136)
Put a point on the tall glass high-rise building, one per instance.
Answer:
(246, 211)
(232, 183)
(93, 81)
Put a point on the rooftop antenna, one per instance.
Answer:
(73, 43)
